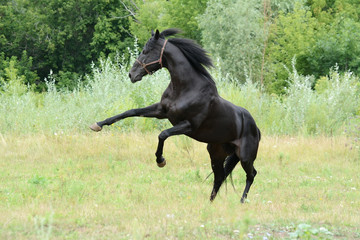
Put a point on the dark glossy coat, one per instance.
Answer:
(193, 106)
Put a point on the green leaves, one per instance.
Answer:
(155, 14)
(233, 32)
(254, 39)
(320, 34)
(62, 36)
(292, 34)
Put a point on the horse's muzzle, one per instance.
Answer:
(135, 79)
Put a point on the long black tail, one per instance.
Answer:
(230, 164)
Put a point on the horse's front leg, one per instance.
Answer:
(178, 129)
(154, 111)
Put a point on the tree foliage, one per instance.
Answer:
(146, 16)
(291, 36)
(256, 39)
(62, 36)
(232, 31)
(162, 14)
(320, 34)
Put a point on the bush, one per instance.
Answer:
(302, 110)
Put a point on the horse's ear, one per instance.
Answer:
(152, 32)
(157, 34)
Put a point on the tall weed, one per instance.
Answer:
(109, 91)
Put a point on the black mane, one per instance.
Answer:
(194, 53)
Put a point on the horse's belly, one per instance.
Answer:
(215, 131)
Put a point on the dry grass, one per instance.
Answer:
(107, 186)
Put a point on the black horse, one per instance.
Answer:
(193, 106)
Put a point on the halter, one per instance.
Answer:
(144, 65)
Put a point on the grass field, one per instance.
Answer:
(107, 186)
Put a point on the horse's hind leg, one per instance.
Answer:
(217, 155)
(247, 152)
(250, 175)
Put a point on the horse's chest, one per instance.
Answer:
(171, 108)
(183, 108)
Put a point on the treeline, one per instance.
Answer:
(256, 39)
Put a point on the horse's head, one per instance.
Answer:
(150, 59)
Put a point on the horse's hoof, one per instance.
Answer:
(244, 200)
(95, 127)
(212, 197)
(162, 164)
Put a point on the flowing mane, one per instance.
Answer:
(194, 53)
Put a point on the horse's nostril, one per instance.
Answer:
(129, 75)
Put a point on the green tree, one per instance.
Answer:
(22, 67)
(233, 32)
(336, 44)
(146, 16)
(162, 14)
(184, 14)
(337, 39)
(111, 32)
(320, 34)
(62, 36)
(292, 34)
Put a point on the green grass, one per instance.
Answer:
(58, 180)
(107, 186)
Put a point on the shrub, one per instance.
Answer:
(302, 110)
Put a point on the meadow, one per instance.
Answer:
(107, 186)
(59, 180)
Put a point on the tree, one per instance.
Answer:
(184, 14)
(62, 36)
(233, 32)
(337, 39)
(162, 14)
(292, 34)
(111, 31)
(146, 16)
(337, 44)
(320, 34)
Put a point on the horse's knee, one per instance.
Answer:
(163, 135)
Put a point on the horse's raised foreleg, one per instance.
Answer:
(217, 155)
(178, 129)
(154, 111)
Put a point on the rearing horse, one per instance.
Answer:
(193, 106)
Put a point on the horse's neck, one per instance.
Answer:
(183, 75)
